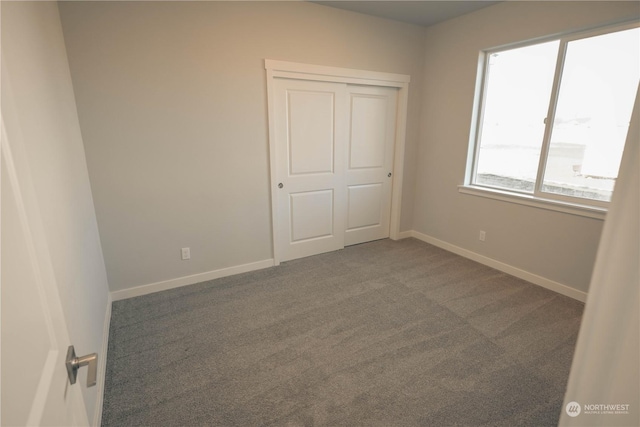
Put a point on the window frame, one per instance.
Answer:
(538, 198)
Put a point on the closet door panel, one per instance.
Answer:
(369, 173)
(310, 119)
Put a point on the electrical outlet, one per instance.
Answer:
(482, 236)
(186, 253)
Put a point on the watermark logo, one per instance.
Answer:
(606, 409)
(573, 409)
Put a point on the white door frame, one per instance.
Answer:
(294, 70)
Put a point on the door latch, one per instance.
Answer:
(74, 363)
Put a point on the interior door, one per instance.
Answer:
(369, 171)
(35, 386)
(310, 132)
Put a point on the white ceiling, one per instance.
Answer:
(424, 13)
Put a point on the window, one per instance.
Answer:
(554, 116)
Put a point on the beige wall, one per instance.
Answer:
(39, 112)
(556, 246)
(172, 103)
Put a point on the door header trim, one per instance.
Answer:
(335, 74)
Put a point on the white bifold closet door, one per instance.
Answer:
(334, 157)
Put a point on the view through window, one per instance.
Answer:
(587, 86)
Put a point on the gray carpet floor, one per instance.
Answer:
(387, 333)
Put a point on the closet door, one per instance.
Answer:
(369, 168)
(310, 131)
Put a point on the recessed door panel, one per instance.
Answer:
(29, 344)
(364, 205)
(310, 121)
(310, 131)
(36, 389)
(368, 124)
(372, 124)
(311, 215)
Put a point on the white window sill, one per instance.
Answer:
(536, 202)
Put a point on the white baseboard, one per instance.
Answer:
(189, 280)
(215, 274)
(102, 364)
(405, 234)
(501, 266)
